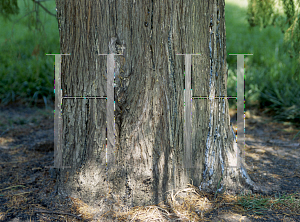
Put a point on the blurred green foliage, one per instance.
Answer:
(272, 78)
(8, 8)
(26, 72)
(263, 13)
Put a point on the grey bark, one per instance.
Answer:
(148, 97)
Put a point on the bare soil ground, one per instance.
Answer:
(27, 190)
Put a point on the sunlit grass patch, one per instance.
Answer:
(258, 204)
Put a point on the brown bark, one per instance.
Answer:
(149, 99)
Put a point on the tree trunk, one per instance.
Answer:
(149, 100)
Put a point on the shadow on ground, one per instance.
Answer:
(27, 191)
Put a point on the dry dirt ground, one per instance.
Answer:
(27, 191)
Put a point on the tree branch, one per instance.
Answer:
(43, 7)
(53, 212)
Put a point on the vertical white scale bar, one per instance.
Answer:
(110, 110)
(57, 116)
(240, 139)
(240, 106)
(187, 113)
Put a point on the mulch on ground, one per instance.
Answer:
(27, 190)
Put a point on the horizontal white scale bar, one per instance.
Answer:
(70, 97)
(205, 97)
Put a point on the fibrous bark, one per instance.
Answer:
(149, 101)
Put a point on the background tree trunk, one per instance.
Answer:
(149, 99)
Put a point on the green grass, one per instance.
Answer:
(255, 204)
(258, 204)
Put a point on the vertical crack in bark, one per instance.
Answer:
(172, 77)
(84, 154)
(208, 164)
(222, 165)
(152, 15)
(151, 32)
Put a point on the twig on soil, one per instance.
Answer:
(296, 135)
(6, 131)
(12, 187)
(22, 193)
(54, 212)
